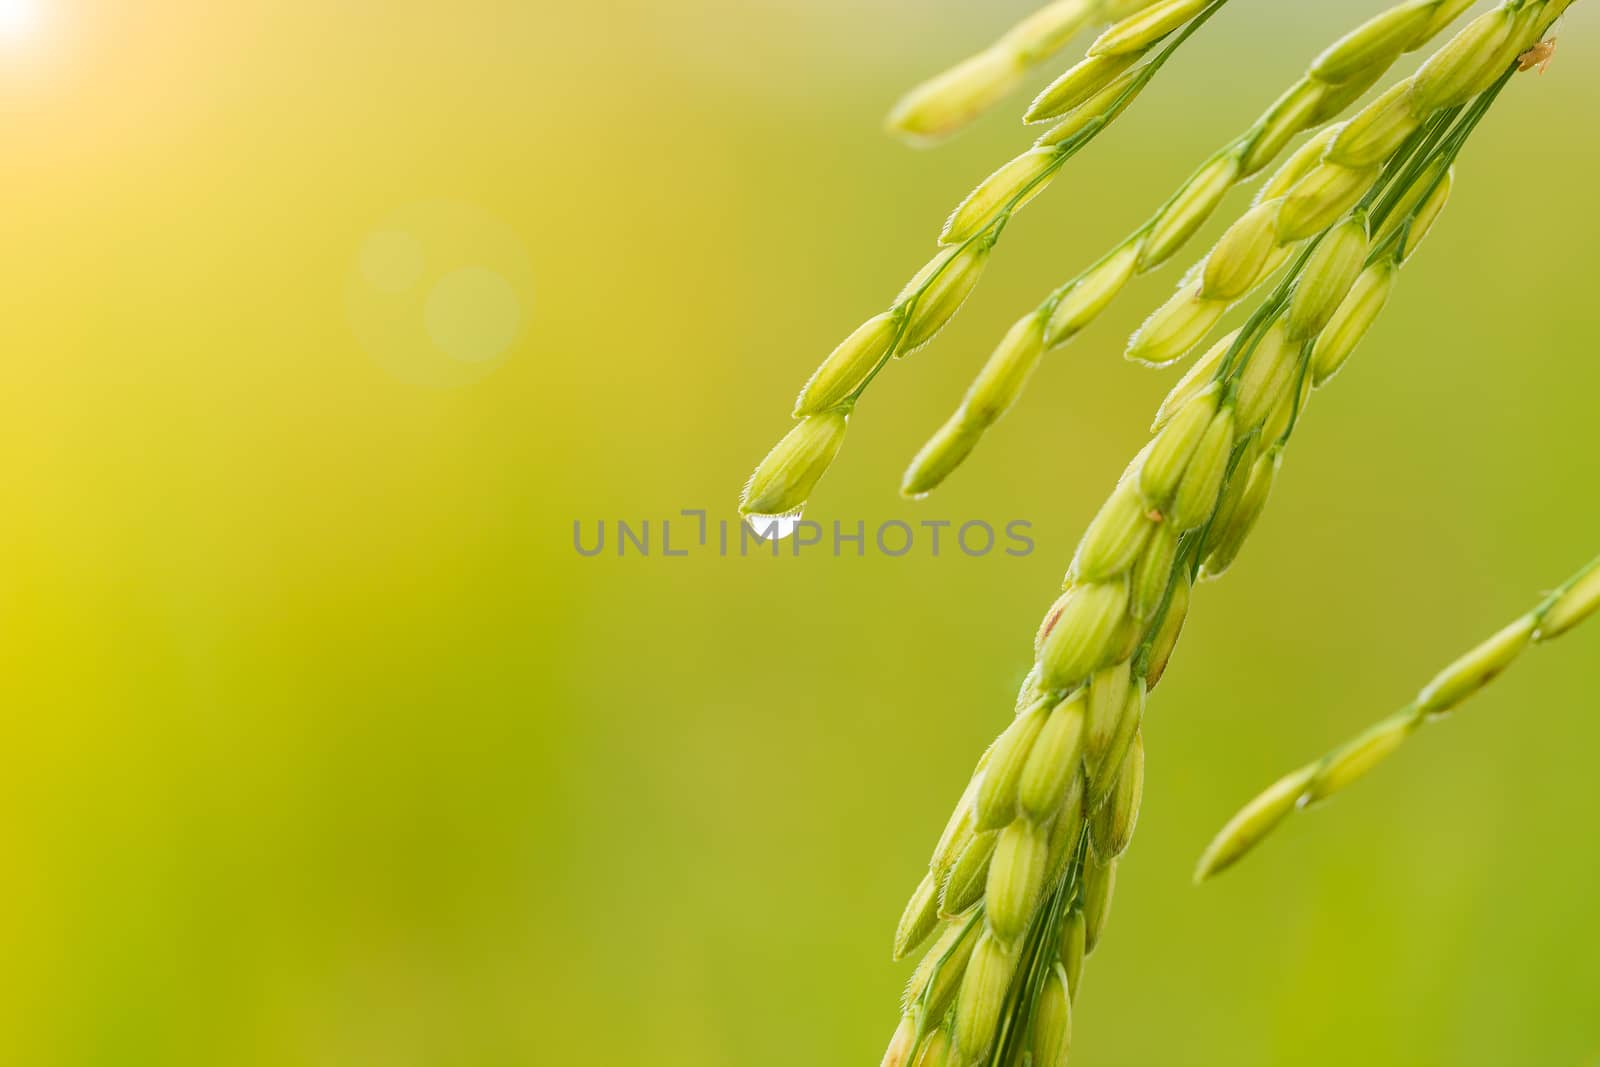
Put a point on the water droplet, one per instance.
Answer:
(775, 527)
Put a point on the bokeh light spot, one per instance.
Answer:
(439, 293)
(392, 261)
(473, 314)
(18, 19)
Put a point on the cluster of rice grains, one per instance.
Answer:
(946, 103)
(784, 480)
(1020, 883)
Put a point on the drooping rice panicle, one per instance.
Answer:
(1571, 603)
(1022, 878)
(1318, 182)
(946, 103)
(783, 480)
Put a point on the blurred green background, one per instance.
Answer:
(323, 324)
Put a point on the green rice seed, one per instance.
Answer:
(1477, 668)
(1117, 10)
(1051, 1025)
(939, 975)
(1128, 642)
(1116, 535)
(1112, 828)
(1445, 12)
(902, 1044)
(1377, 131)
(1099, 882)
(1075, 87)
(1202, 481)
(1066, 830)
(1277, 258)
(1108, 697)
(1289, 115)
(1195, 380)
(1244, 454)
(1153, 572)
(1045, 32)
(1545, 16)
(1006, 190)
(1166, 638)
(949, 933)
(957, 831)
(935, 1051)
(944, 104)
(1298, 165)
(1091, 294)
(1103, 777)
(958, 271)
(784, 480)
(996, 801)
(1072, 949)
(1330, 272)
(1081, 631)
(1229, 534)
(1006, 371)
(1103, 106)
(1294, 396)
(990, 394)
(1175, 327)
(1189, 209)
(1427, 214)
(1030, 690)
(940, 456)
(1253, 822)
(1016, 878)
(1173, 447)
(982, 999)
(1571, 606)
(1466, 64)
(1377, 42)
(1238, 261)
(1351, 321)
(1335, 98)
(1359, 756)
(1054, 759)
(1268, 376)
(964, 885)
(919, 918)
(1143, 29)
(1408, 207)
(1320, 198)
(849, 365)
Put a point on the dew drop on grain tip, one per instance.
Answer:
(774, 527)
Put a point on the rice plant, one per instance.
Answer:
(1019, 885)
